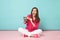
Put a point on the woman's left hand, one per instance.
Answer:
(31, 21)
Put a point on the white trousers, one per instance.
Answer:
(26, 32)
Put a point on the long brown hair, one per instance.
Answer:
(37, 15)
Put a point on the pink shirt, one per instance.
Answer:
(29, 25)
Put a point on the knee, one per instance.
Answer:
(40, 30)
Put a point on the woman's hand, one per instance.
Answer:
(31, 21)
(29, 18)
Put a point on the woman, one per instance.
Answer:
(32, 22)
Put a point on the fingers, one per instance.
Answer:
(28, 18)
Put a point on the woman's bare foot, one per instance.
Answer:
(35, 36)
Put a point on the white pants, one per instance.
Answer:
(26, 32)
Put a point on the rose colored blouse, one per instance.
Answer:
(29, 25)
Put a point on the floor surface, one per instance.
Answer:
(15, 35)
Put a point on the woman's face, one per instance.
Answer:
(34, 12)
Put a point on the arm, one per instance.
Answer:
(31, 21)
